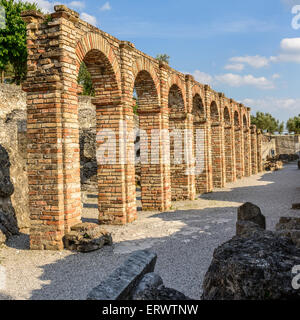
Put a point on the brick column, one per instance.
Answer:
(259, 152)
(217, 155)
(229, 152)
(253, 149)
(247, 153)
(53, 134)
(238, 152)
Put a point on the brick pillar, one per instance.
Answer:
(217, 155)
(238, 152)
(247, 153)
(229, 153)
(155, 169)
(253, 150)
(181, 138)
(259, 152)
(115, 174)
(127, 50)
(53, 134)
(201, 143)
(182, 175)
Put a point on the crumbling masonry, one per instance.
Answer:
(167, 100)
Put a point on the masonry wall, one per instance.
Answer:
(279, 145)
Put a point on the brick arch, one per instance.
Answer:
(214, 112)
(143, 65)
(176, 100)
(198, 109)
(245, 121)
(93, 41)
(226, 116)
(174, 80)
(236, 118)
(146, 90)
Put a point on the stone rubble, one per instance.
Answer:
(87, 237)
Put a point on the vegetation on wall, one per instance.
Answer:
(13, 50)
(163, 57)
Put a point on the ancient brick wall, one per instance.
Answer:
(166, 100)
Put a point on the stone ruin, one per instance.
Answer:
(168, 101)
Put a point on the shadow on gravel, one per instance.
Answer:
(275, 196)
(183, 256)
(185, 252)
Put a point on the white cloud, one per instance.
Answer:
(202, 77)
(44, 5)
(106, 7)
(236, 80)
(290, 3)
(290, 51)
(88, 18)
(76, 4)
(254, 61)
(275, 76)
(235, 67)
(281, 108)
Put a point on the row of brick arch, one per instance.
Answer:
(167, 100)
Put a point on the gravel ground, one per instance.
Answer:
(184, 240)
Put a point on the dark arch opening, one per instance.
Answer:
(236, 119)
(214, 113)
(145, 100)
(227, 118)
(105, 90)
(198, 109)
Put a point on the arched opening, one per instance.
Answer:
(179, 176)
(200, 145)
(237, 146)
(228, 141)
(216, 147)
(246, 135)
(99, 145)
(148, 144)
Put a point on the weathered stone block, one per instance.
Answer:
(86, 237)
(251, 212)
(121, 284)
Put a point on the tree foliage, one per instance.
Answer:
(85, 79)
(293, 125)
(266, 122)
(163, 57)
(13, 48)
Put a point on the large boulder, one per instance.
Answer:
(258, 267)
(8, 220)
(6, 186)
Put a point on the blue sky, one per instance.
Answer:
(246, 49)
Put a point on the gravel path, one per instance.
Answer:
(184, 240)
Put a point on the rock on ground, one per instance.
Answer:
(87, 237)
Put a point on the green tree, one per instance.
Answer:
(85, 79)
(13, 48)
(163, 57)
(266, 122)
(293, 125)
